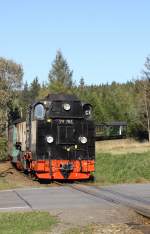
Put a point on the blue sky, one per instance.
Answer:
(102, 40)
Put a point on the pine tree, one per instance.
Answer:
(34, 89)
(81, 83)
(24, 100)
(60, 76)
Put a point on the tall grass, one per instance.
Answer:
(122, 168)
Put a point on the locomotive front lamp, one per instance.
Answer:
(83, 140)
(49, 139)
(67, 106)
(88, 112)
(87, 108)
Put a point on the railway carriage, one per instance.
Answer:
(57, 140)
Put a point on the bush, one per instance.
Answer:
(3, 149)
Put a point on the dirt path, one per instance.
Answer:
(11, 178)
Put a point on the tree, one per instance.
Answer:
(28, 95)
(143, 98)
(60, 76)
(11, 75)
(34, 89)
(24, 99)
(81, 83)
(44, 91)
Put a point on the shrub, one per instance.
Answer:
(3, 149)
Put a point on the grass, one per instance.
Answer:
(122, 146)
(4, 184)
(80, 230)
(122, 168)
(26, 222)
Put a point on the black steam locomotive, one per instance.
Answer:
(57, 140)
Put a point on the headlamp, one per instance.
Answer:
(83, 139)
(49, 139)
(67, 106)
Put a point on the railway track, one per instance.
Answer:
(139, 205)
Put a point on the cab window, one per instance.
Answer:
(39, 111)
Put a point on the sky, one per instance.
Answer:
(102, 40)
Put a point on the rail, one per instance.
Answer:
(138, 205)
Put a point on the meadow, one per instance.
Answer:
(122, 161)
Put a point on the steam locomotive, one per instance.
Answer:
(56, 141)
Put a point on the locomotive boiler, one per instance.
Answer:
(56, 141)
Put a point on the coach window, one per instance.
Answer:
(39, 111)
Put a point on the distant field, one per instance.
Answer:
(122, 146)
(122, 161)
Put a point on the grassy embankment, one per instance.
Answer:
(122, 161)
(117, 161)
(26, 222)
